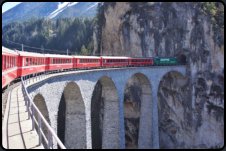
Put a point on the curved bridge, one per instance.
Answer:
(78, 88)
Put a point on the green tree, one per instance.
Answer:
(84, 51)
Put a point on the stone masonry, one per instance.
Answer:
(114, 82)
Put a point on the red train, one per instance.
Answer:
(19, 63)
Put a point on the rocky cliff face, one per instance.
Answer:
(190, 115)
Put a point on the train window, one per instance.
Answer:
(4, 62)
(148, 60)
(53, 61)
(26, 61)
(11, 62)
(8, 63)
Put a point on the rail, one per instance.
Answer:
(31, 106)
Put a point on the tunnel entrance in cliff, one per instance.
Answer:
(40, 103)
(182, 59)
(138, 112)
(71, 127)
(105, 115)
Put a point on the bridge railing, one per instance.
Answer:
(31, 108)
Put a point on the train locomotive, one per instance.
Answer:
(20, 63)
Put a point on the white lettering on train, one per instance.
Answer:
(164, 59)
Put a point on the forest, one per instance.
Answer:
(55, 37)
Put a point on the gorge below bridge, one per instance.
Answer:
(70, 95)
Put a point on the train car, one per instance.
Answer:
(136, 61)
(165, 60)
(9, 66)
(30, 63)
(59, 62)
(114, 61)
(87, 61)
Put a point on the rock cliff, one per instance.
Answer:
(190, 115)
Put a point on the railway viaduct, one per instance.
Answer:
(78, 88)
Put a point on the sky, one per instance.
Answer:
(7, 5)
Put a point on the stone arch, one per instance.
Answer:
(105, 115)
(40, 103)
(182, 59)
(72, 112)
(174, 106)
(138, 112)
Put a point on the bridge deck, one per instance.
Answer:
(17, 129)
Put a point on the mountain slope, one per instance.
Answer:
(86, 9)
(52, 10)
